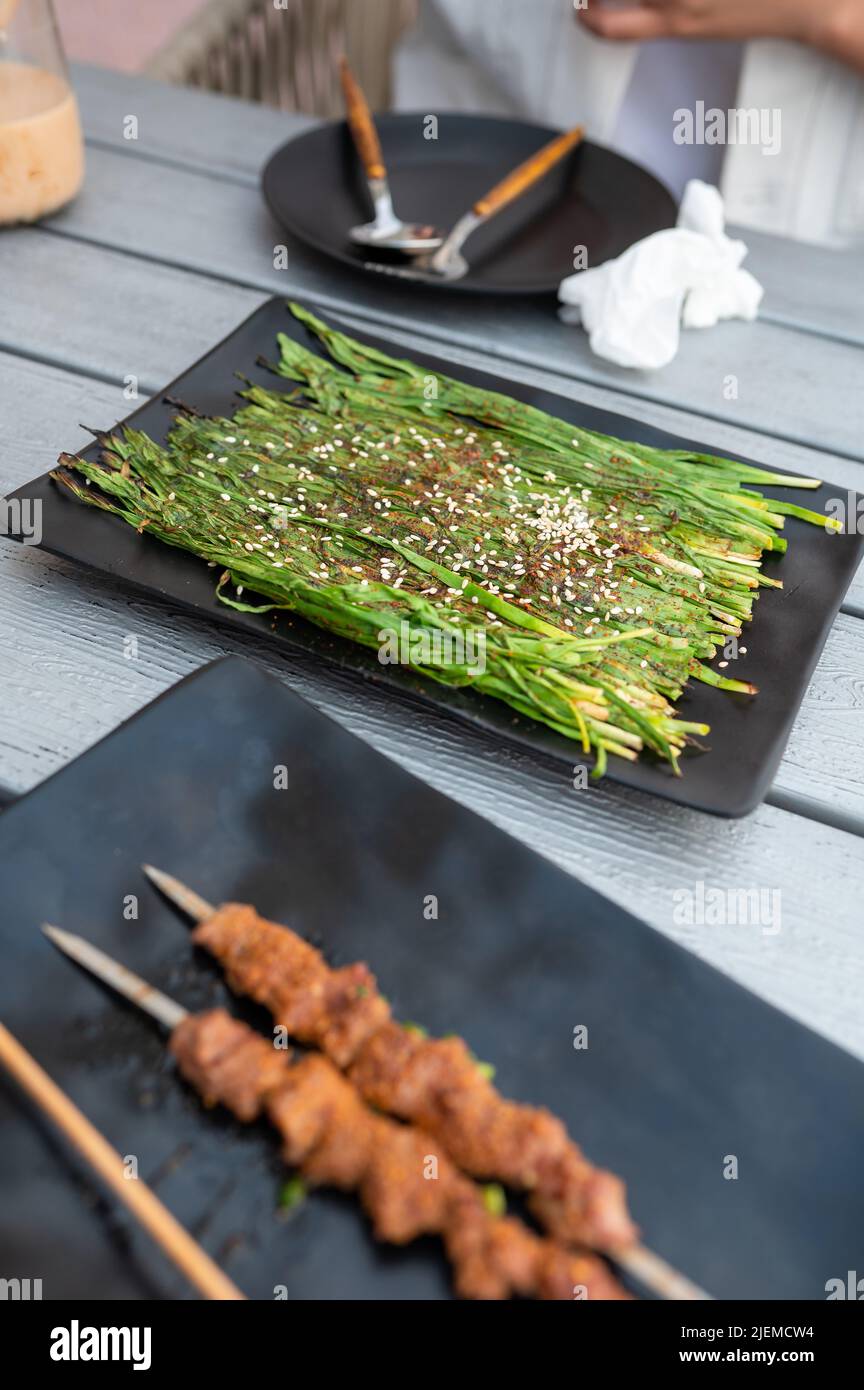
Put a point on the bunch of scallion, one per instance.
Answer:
(595, 577)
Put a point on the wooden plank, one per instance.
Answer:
(164, 319)
(816, 288)
(810, 287)
(821, 773)
(107, 314)
(65, 677)
(68, 679)
(44, 410)
(217, 228)
(197, 130)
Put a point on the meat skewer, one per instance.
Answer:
(334, 1139)
(434, 1083)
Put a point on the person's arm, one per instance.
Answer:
(835, 27)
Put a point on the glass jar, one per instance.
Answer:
(41, 147)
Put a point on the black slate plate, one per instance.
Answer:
(594, 198)
(683, 1068)
(748, 735)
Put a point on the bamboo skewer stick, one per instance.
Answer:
(165, 1229)
(176, 892)
(644, 1265)
(542, 1269)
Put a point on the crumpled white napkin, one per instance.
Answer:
(632, 308)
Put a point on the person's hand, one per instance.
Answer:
(834, 26)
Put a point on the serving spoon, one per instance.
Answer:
(386, 231)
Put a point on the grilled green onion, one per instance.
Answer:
(581, 579)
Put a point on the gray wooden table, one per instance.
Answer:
(167, 248)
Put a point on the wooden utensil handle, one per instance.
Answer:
(361, 123)
(514, 184)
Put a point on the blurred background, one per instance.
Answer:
(553, 62)
(284, 56)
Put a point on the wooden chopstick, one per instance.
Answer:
(156, 1219)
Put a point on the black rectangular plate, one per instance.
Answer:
(748, 735)
(683, 1068)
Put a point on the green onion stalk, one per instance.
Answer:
(581, 579)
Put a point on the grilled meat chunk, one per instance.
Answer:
(433, 1082)
(405, 1186)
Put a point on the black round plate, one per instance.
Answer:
(595, 198)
